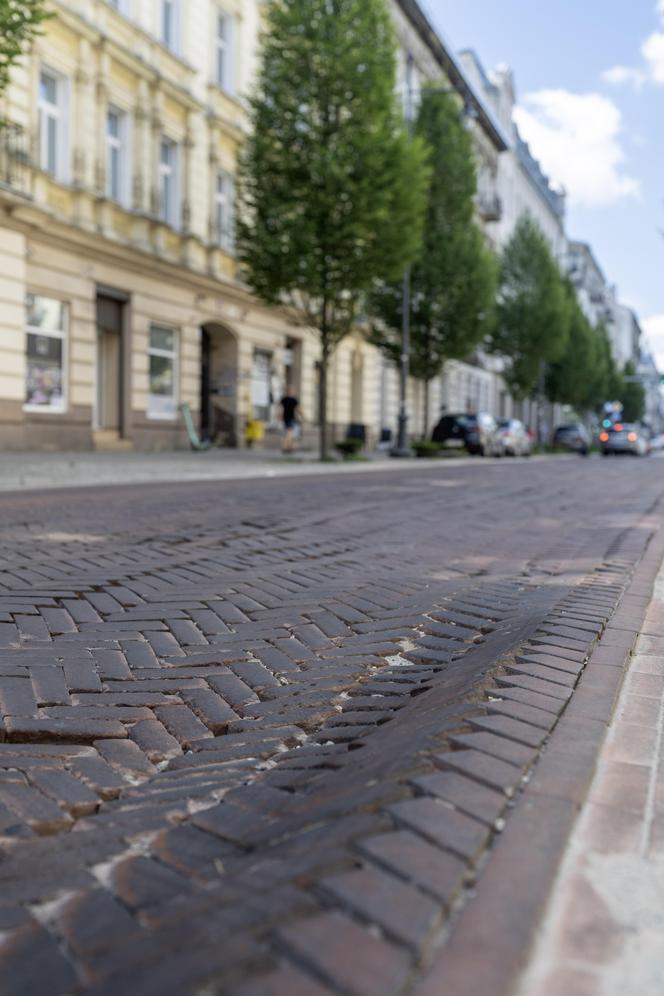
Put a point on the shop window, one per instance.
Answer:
(45, 346)
(163, 371)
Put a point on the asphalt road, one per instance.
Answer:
(166, 647)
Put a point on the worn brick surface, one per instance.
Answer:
(228, 710)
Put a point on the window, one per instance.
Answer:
(162, 402)
(169, 193)
(52, 125)
(169, 28)
(117, 156)
(225, 210)
(261, 376)
(224, 52)
(45, 343)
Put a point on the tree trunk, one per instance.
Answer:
(425, 413)
(322, 397)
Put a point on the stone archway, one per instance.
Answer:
(219, 384)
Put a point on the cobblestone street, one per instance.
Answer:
(260, 738)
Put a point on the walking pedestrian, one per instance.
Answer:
(289, 407)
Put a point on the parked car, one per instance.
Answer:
(514, 437)
(478, 434)
(573, 437)
(625, 437)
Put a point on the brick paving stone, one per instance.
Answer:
(496, 747)
(154, 740)
(283, 981)
(447, 828)
(323, 942)
(32, 962)
(411, 857)
(69, 793)
(401, 911)
(544, 703)
(72, 730)
(504, 726)
(125, 755)
(487, 770)
(539, 685)
(211, 709)
(469, 797)
(49, 687)
(17, 697)
(39, 813)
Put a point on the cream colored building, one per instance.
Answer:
(118, 290)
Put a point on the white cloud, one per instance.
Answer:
(652, 70)
(576, 137)
(652, 51)
(621, 75)
(654, 330)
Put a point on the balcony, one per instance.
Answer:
(489, 207)
(14, 159)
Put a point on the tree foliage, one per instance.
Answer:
(453, 278)
(632, 395)
(331, 188)
(533, 312)
(20, 21)
(584, 375)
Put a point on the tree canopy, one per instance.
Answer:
(632, 395)
(533, 312)
(19, 23)
(331, 187)
(584, 375)
(453, 278)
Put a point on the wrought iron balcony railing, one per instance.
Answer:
(14, 157)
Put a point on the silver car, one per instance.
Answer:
(514, 437)
(625, 437)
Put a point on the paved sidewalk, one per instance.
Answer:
(605, 922)
(37, 471)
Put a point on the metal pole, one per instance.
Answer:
(402, 448)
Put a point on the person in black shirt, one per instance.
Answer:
(289, 407)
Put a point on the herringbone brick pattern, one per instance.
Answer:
(210, 697)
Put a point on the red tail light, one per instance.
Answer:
(603, 437)
(632, 437)
(618, 427)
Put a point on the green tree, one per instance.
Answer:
(331, 187)
(533, 312)
(453, 278)
(632, 395)
(20, 21)
(568, 377)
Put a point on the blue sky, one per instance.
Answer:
(590, 82)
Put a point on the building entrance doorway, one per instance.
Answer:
(109, 363)
(219, 385)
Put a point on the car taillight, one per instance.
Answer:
(603, 437)
(632, 437)
(617, 427)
